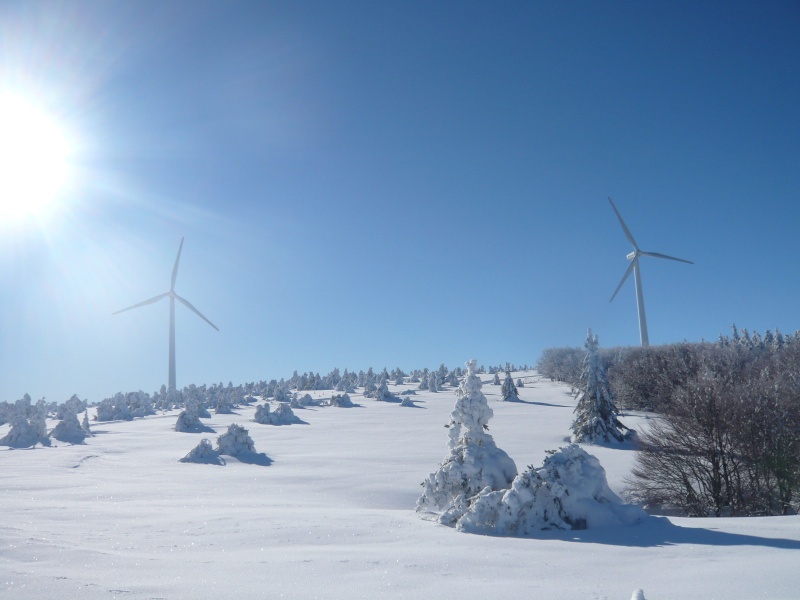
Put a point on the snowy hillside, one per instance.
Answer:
(330, 514)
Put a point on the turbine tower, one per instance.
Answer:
(637, 276)
(172, 297)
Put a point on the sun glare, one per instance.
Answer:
(34, 160)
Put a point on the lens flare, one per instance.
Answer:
(34, 160)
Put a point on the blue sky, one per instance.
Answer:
(395, 184)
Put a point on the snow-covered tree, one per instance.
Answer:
(342, 401)
(432, 387)
(596, 415)
(569, 491)
(85, 424)
(189, 419)
(203, 453)
(21, 435)
(509, 390)
(69, 429)
(282, 415)
(235, 441)
(474, 461)
(496, 379)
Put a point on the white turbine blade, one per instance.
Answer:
(175, 268)
(197, 312)
(627, 231)
(657, 255)
(155, 299)
(624, 277)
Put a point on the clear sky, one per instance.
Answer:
(393, 183)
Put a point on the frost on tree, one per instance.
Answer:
(496, 379)
(509, 390)
(203, 453)
(596, 415)
(474, 461)
(236, 441)
(69, 429)
(569, 491)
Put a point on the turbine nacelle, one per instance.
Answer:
(632, 255)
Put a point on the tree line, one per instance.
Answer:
(727, 437)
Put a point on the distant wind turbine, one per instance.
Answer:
(172, 297)
(637, 276)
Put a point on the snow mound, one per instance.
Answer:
(203, 453)
(569, 491)
(406, 401)
(69, 430)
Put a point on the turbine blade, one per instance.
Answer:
(624, 277)
(627, 231)
(175, 268)
(658, 255)
(154, 299)
(197, 312)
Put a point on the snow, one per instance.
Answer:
(333, 516)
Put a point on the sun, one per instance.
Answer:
(34, 159)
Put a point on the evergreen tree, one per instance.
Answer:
(596, 415)
(509, 390)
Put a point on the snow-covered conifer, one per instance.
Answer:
(432, 387)
(85, 424)
(235, 441)
(342, 401)
(509, 390)
(569, 491)
(21, 435)
(596, 415)
(69, 429)
(203, 453)
(496, 379)
(520, 383)
(474, 461)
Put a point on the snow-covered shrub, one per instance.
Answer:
(474, 461)
(432, 386)
(382, 392)
(235, 441)
(203, 453)
(189, 420)
(69, 429)
(496, 379)
(342, 401)
(398, 380)
(224, 406)
(569, 491)
(509, 390)
(596, 415)
(520, 383)
(407, 401)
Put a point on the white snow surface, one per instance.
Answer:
(332, 516)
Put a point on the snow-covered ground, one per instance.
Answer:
(332, 516)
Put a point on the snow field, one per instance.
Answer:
(333, 516)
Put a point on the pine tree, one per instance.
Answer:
(509, 390)
(596, 415)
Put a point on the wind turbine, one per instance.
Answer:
(637, 276)
(172, 297)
